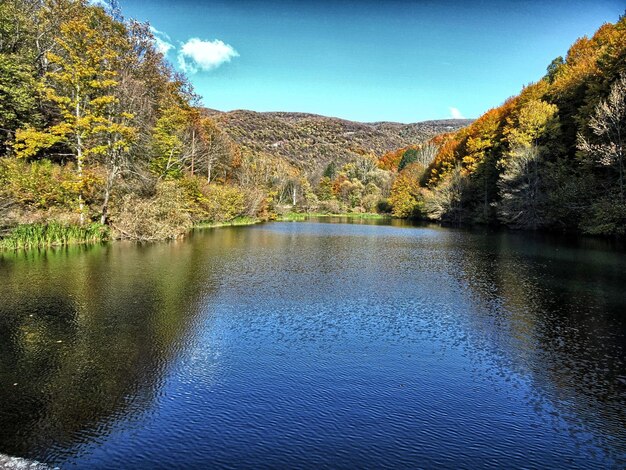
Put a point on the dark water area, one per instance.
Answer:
(368, 344)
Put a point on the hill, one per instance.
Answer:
(310, 141)
(552, 157)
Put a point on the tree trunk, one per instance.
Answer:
(107, 194)
(79, 161)
(620, 158)
(193, 150)
(105, 206)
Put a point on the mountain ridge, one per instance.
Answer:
(311, 141)
(305, 114)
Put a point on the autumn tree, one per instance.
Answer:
(423, 154)
(521, 192)
(216, 150)
(447, 201)
(170, 146)
(607, 145)
(82, 82)
(406, 196)
(520, 185)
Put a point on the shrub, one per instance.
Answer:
(370, 202)
(39, 185)
(332, 206)
(220, 203)
(164, 216)
(383, 206)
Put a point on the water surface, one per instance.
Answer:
(315, 344)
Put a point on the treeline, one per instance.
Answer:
(551, 157)
(101, 138)
(98, 130)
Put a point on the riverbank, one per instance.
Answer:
(237, 222)
(298, 216)
(28, 236)
(55, 234)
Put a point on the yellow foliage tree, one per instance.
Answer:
(82, 82)
(406, 196)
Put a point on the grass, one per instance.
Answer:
(29, 236)
(296, 216)
(231, 223)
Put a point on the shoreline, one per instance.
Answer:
(26, 237)
(102, 233)
(299, 216)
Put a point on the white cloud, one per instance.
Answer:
(161, 41)
(456, 114)
(196, 54)
(100, 3)
(156, 32)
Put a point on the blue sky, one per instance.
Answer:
(402, 61)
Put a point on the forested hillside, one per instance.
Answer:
(102, 138)
(551, 157)
(311, 142)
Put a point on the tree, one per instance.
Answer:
(424, 155)
(606, 147)
(325, 189)
(522, 199)
(553, 69)
(520, 186)
(406, 196)
(82, 81)
(408, 157)
(215, 148)
(18, 75)
(330, 171)
(18, 97)
(447, 201)
(535, 119)
(171, 149)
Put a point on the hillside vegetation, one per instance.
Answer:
(101, 139)
(551, 157)
(311, 141)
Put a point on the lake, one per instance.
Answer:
(317, 345)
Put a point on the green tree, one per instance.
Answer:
(82, 82)
(330, 171)
(553, 69)
(18, 97)
(408, 157)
